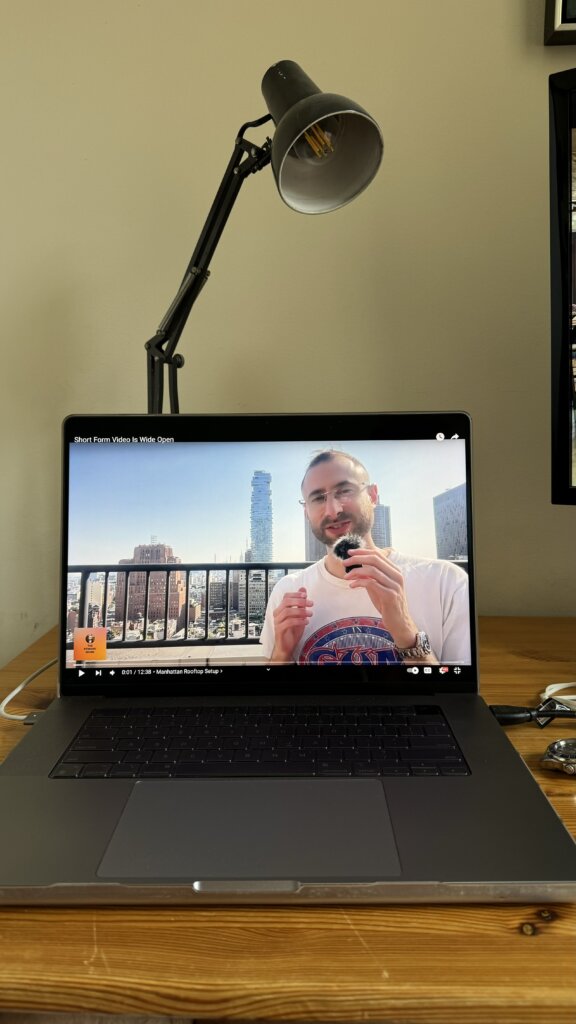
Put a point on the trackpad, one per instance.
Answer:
(254, 829)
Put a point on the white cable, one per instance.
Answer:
(10, 697)
(555, 690)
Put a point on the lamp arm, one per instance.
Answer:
(246, 159)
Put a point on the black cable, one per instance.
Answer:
(509, 714)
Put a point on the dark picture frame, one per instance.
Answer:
(562, 91)
(560, 22)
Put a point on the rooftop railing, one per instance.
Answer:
(200, 621)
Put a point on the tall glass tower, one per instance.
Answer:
(381, 529)
(450, 523)
(261, 517)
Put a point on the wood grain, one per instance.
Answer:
(501, 964)
(309, 963)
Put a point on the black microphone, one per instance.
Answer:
(345, 545)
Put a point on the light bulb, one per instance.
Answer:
(319, 141)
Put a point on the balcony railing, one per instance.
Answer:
(211, 626)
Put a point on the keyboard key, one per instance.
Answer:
(306, 767)
(312, 752)
(160, 757)
(325, 764)
(197, 754)
(131, 744)
(298, 755)
(412, 730)
(87, 756)
(67, 771)
(418, 762)
(179, 743)
(245, 756)
(429, 752)
(233, 770)
(96, 771)
(95, 743)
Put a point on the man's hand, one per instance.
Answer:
(385, 585)
(290, 620)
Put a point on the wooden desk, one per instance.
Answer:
(463, 964)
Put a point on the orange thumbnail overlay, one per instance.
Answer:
(90, 644)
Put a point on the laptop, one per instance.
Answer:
(268, 683)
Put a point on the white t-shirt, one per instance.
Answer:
(346, 628)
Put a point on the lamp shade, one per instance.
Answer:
(326, 149)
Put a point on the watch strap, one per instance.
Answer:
(421, 649)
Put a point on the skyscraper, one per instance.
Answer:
(261, 517)
(450, 523)
(152, 554)
(382, 530)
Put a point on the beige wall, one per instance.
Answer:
(430, 291)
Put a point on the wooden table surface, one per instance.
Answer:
(465, 964)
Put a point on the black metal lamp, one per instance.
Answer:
(326, 150)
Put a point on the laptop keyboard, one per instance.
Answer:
(216, 742)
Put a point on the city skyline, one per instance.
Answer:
(197, 496)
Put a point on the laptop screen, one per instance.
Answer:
(216, 554)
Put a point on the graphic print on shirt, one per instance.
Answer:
(350, 641)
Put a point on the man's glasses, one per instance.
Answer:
(343, 494)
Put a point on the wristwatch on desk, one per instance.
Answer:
(561, 756)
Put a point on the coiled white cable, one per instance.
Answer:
(555, 690)
(10, 697)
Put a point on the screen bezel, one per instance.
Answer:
(250, 680)
(562, 90)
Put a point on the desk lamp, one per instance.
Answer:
(325, 151)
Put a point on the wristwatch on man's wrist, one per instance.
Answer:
(561, 756)
(421, 648)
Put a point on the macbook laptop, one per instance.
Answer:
(268, 683)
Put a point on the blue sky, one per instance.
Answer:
(195, 496)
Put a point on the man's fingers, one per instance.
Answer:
(294, 606)
(373, 574)
(374, 566)
(370, 557)
(296, 599)
(284, 614)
